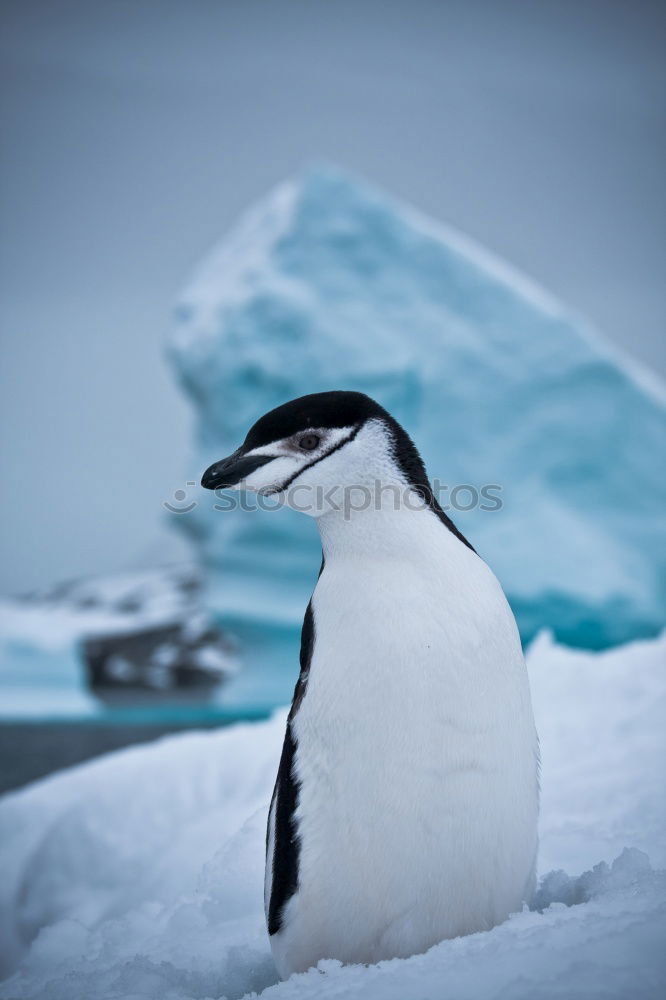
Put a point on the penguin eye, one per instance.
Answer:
(308, 442)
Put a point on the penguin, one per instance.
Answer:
(406, 800)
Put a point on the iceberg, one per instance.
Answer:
(134, 645)
(330, 284)
(141, 873)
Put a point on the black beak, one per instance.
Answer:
(230, 471)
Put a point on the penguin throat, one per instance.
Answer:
(378, 529)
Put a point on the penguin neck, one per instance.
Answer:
(383, 530)
(384, 515)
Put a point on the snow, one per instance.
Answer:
(141, 874)
(328, 283)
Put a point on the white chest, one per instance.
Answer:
(416, 759)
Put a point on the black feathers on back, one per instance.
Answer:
(410, 462)
(286, 846)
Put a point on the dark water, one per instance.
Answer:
(33, 750)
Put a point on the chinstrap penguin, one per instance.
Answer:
(406, 801)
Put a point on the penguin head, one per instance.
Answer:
(321, 440)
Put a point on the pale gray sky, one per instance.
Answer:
(135, 132)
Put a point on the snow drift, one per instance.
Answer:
(140, 874)
(330, 284)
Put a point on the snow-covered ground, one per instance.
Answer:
(140, 874)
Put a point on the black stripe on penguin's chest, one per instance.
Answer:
(286, 845)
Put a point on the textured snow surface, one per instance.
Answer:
(328, 284)
(140, 874)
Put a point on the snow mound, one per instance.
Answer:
(328, 284)
(608, 948)
(140, 874)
